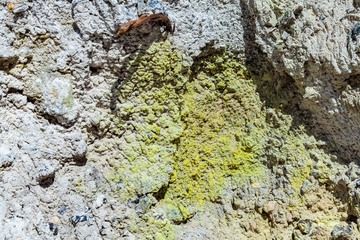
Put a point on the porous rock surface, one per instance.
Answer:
(242, 124)
(315, 44)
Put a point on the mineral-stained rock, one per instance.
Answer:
(205, 133)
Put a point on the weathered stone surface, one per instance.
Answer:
(316, 44)
(58, 99)
(155, 135)
(7, 155)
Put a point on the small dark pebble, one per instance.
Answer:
(76, 219)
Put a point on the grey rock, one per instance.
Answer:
(58, 99)
(39, 142)
(306, 187)
(45, 173)
(151, 6)
(7, 155)
(3, 210)
(20, 8)
(342, 233)
(88, 18)
(305, 226)
(15, 84)
(18, 100)
(200, 25)
(2, 94)
(62, 57)
(100, 201)
(309, 47)
(78, 219)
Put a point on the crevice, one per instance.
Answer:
(50, 119)
(14, 90)
(94, 70)
(353, 81)
(7, 63)
(76, 29)
(352, 219)
(47, 181)
(30, 99)
(103, 16)
(80, 160)
(159, 195)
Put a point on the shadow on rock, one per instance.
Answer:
(277, 89)
(134, 44)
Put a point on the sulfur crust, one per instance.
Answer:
(198, 132)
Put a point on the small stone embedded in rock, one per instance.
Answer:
(311, 93)
(78, 146)
(100, 200)
(20, 8)
(58, 99)
(144, 203)
(7, 156)
(270, 206)
(17, 99)
(305, 226)
(342, 233)
(306, 187)
(78, 218)
(14, 84)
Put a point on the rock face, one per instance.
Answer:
(154, 135)
(302, 41)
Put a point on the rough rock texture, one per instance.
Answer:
(242, 124)
(315, 45)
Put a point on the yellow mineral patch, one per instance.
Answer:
(196, 132)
